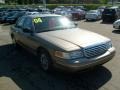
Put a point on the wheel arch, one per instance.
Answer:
(39, 49)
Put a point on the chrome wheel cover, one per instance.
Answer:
(44, 62)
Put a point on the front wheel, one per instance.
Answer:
(45, 60)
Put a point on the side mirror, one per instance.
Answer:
(27, 30)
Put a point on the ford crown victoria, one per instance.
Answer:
(59, 43)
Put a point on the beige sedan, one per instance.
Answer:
(59, 43)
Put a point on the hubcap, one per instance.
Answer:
(44, 62)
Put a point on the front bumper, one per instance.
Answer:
(72, 66)
(116, 26)
(91, 18)
(108, 18)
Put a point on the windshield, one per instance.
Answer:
(43, 24)
(109, 11)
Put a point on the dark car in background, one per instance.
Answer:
(110, 14)
(78, 14)
(7, 14)
(2, 14)
(14, 17)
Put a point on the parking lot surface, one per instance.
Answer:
(19, 70)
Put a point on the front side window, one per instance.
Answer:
(52, 23)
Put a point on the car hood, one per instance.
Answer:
(72, 39)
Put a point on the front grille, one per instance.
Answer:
(95, 51)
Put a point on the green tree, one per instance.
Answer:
(103, 1)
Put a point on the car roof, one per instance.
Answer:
(109, 9)
(42, 15)
(114, 7)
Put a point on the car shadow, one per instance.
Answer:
(106, 22)
(23, 68)
(91, 21)
(116, 31)
(75, 20)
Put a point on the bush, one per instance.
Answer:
(52, 6)
(88, 6)
(92, 6)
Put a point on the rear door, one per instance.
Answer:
(17, 30)
(28, 37)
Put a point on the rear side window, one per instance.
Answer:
(28, 23)
(20, 22)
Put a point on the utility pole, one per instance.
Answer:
(112, 2)
(44, 3)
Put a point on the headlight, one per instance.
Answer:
(70, 55)
(109, 45)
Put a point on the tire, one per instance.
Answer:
(98, 18)
(86, 19)
(103, 20)
(119, 27)
(45, 60)
(16, 45)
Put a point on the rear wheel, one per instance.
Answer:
(16, 45)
